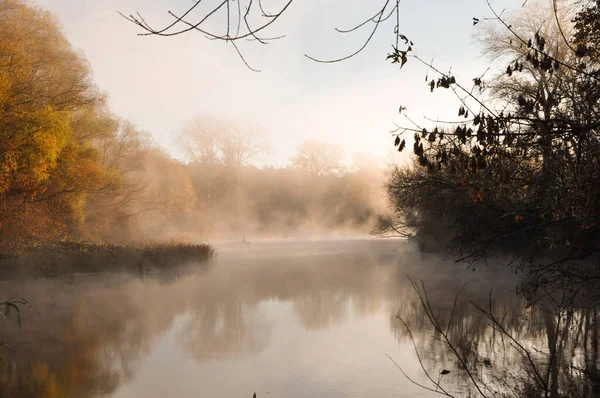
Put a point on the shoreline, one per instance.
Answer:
(64, 258)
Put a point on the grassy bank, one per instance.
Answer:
(49, 260)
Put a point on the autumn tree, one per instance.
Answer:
(112, 208)
(69, 168)
(169, 194)
(45, 171)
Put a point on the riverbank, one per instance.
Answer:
(60, 258)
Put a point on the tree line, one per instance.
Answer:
(72, 170)
(315, 193)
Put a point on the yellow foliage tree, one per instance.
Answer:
(45, 171)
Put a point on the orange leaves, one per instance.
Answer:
(44, 173)
(31, 145)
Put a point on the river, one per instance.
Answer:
(279, 319)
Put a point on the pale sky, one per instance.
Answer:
(159, 83)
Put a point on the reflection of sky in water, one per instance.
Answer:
(264, 319)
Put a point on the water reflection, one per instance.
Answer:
(62, 352)
(282, 319)
(498, 346)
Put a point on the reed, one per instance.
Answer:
(59, 258)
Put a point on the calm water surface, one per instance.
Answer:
(293, 319)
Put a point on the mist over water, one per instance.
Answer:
(283, 319)
(175, 224)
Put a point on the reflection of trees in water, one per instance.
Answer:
(572, 337)
(63, 353)
(222, 328)
(322, 308)
(554, 352)
(90, 335)
(320, 287)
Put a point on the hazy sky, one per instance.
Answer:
(159, 83)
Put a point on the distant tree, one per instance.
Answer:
(318, 158)
(206, 140)
(199, 139)
(242, 145)
(216, 150)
